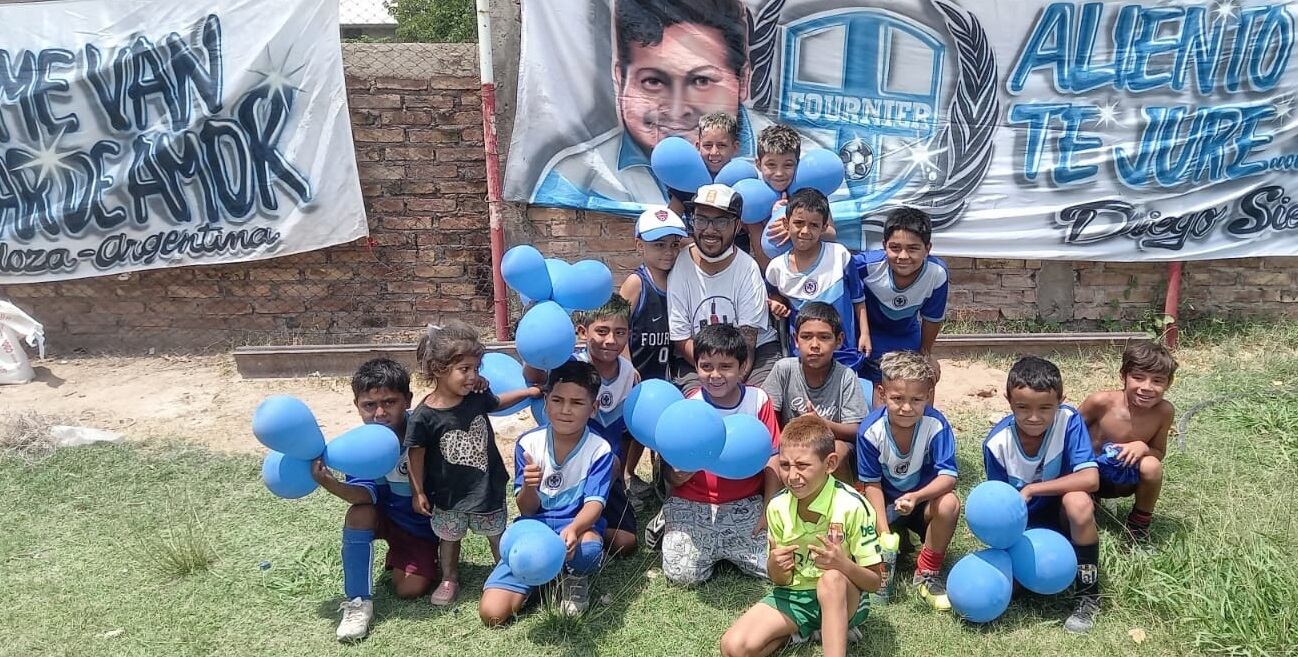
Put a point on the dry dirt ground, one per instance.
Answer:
(203, 400)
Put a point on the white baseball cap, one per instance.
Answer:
(657, 223)
(716, 195)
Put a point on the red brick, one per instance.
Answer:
(462, 223)
(431, 205)
(415, 119)
(430, 136)
(410, 153)
(195, 291)
(985, 263)
(401, 84)
(453, 82)
(445, 154)
(379, 134)
(431, 171)
(375, 101)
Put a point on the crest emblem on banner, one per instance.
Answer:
(869, 84)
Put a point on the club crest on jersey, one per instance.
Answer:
(810, 286)
(901, 468)
(605, 399)
(899, 301)
(554, 481)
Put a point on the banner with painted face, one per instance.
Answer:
(140, 134)
(1119, 131)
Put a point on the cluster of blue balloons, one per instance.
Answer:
(691, 435)
(678, 164)
(533, 551)
(289, 429)
(545, 336)
(1042, 560)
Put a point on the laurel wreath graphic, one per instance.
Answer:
(967, 136)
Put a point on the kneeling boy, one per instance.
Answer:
(380, 508)
(1134, 423)
(562, 474)
(824, 553)
(1042, 449)
(906, 460)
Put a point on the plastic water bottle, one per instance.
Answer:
(889, 544)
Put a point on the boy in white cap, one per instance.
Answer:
(658, 236)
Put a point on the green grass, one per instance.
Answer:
(131, 550)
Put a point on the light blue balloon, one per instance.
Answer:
(505, 375)
(545, 337)
(523, 269)
(978, 587)
(538, 412)
(555, 270)
(1044, 561)
(735, 171)
(286, 425)
(996, 514)
(536, 557)
(585, 285)
(366, 452)
(287, 477)
(747, 448)
(819, 169)
(519, 528)
(772, 250)
(645, 405)
(758, 197)
(677, 164)
(690, 435)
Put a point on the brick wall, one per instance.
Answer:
(418, 132)
(1080, 294)
(417, 126)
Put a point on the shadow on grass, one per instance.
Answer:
(388, 605)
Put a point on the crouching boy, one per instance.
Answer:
(824, 553)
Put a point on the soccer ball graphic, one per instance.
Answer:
(857, 159)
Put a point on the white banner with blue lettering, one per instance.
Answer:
(139, 134)
(1119, 131)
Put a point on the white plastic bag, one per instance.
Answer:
(17, 327)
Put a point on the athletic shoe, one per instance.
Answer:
(444, 594)
(931, 589)
(654, 530)
(357, 614)
(1083, 617)
(575, 595)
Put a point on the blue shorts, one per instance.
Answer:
(1049, 516)
(502, 578)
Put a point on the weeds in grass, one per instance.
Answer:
(181, 547)
(26, 435)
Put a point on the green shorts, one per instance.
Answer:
(803, 608)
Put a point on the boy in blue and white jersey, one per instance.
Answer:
(380, 508)
(562, 474)
(605, 332)
(905, 455)
(1044, 450)
(905, 289)
(818, 271)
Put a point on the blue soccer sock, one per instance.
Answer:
(358, 557)
(589, 555)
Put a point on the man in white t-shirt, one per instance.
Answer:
(714, 283)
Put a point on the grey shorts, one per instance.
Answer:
(763, 362)
(698, 536)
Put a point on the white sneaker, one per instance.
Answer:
(576, 595)
(357, 614)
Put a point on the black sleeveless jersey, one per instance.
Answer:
(650, 342)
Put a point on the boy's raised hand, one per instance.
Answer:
(531, 472)
(830, 556)
(785, 557)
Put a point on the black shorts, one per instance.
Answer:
(1050, 516)
(913, 522)
(617, 509)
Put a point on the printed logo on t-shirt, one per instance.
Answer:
(714, 310)
(553, 482)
